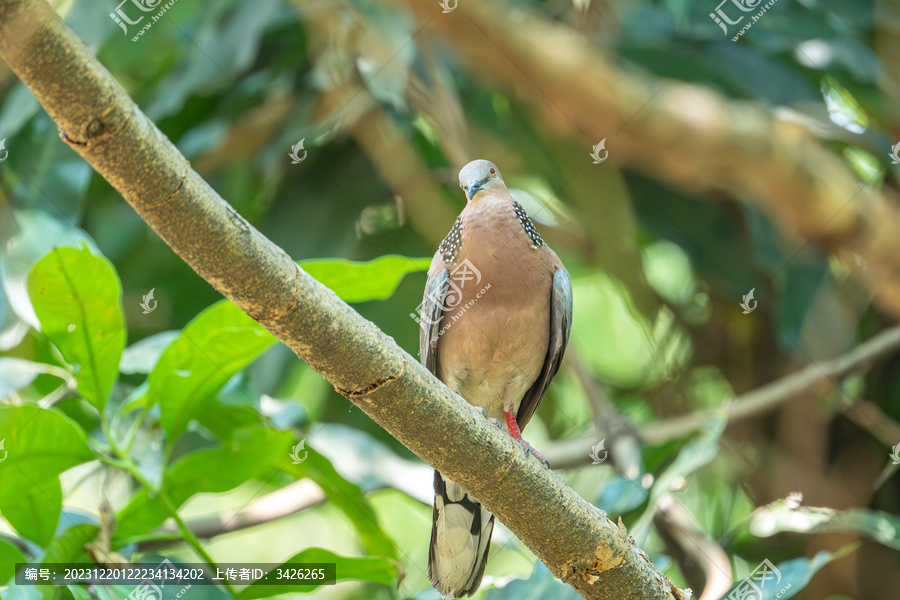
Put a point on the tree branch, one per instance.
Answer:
(99, 121)
(682, 133)
(284, 502)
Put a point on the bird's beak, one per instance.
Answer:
(473, 189)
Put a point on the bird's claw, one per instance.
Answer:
(494, 421)
(529, 450)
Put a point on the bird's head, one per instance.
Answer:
(480, 176)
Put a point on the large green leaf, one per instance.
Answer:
(378, 570)
(35, 512)
(349, 499)
(39, 445)
(362, 281)
(9, 556)
(77, 298)
(247, 454)
(218, 343)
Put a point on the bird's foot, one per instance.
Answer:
(516, 434)
(529, 450)
(494, 421)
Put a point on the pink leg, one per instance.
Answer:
(516, 434)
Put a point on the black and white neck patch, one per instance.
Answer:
(522, 216)
(449, 248)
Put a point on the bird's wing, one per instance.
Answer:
(560, 326)
(431, 315)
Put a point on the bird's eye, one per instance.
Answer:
(493, 171)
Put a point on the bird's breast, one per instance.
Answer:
(494, 333)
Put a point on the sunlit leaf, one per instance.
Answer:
(77, 298)
(38, 445)
(362, 281)
(218, 343)
(9, 556)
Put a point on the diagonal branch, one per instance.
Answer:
(97, 118)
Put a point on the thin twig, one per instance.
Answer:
(807, 380)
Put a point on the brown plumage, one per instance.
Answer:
(495, 323)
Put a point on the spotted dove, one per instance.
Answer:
(495, 322)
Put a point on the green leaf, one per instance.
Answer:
(349, 499)
(378, 570)
(77, 298)
(69, 547)
(246, 456)
(39, 445)
(790, 577)
(362, 281)
(9, 556)
(218, 343)
(34, 514)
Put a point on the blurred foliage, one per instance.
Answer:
(205, 407)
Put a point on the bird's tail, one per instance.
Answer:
(460, 540)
